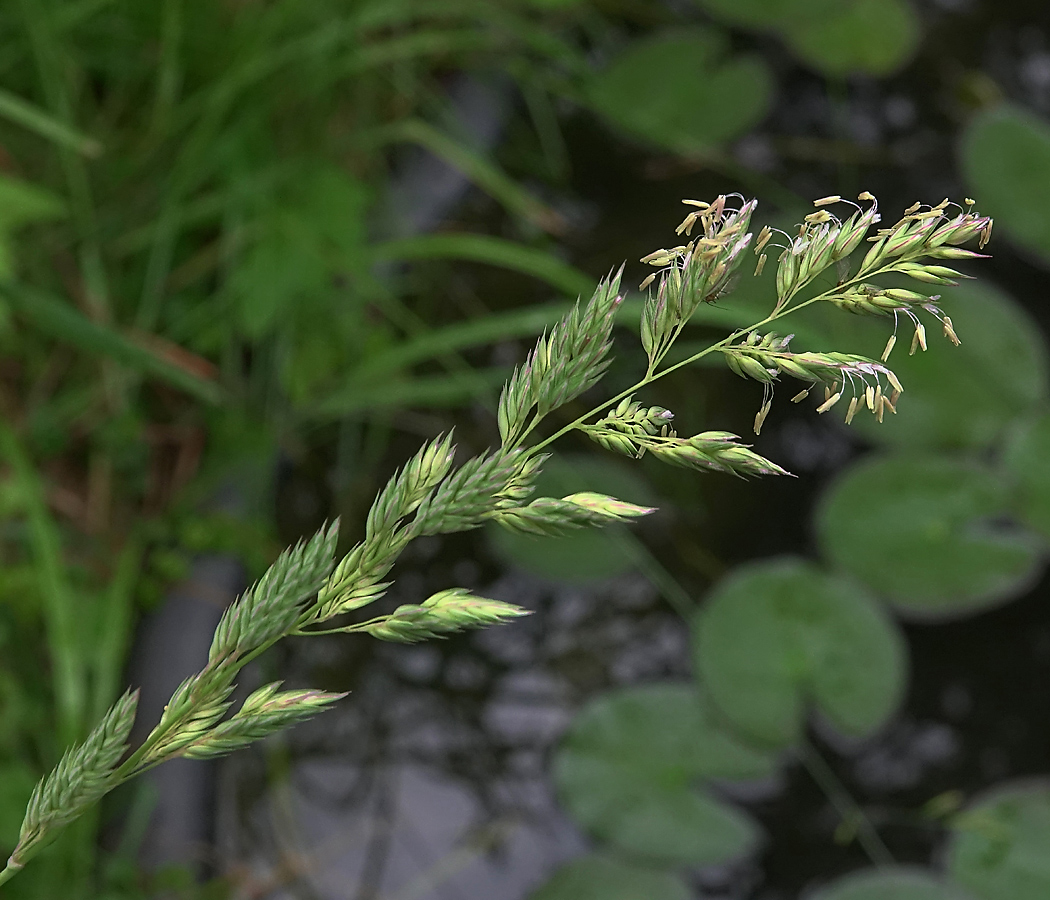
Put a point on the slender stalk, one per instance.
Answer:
(847, 808)
(59, 605)
(114, 626)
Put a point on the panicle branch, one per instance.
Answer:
(555, 517)
(765, 358)
(265, 712)
(455, 609)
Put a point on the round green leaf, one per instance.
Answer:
(1026, 459)
(683, 91)
(999, 846)
(1005, 156)
(891, 883)
(663, 734)
(873, 37)
(835, 37)
(589, 553)
(600, 878)
(778, 635)
(927, 534)
(626, 768)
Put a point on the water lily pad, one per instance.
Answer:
(998, 848)
(835, 37)
(600, 878)
(683, 91)
(1026, 460)
(1005, 156)
(891, 883)
(928, 533)
(780, 635)
(589, 553)
(873, 37)
(627, 769)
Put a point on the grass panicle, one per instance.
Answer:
(307, 592)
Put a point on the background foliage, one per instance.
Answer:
(210, 279)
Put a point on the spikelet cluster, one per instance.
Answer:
(81, 778)
(713, 451)
(549, 516)
(447, 611)
(357, 579)
(822, 241)
(764, 358)
(265, 712)
(563, 364)
(628, 420)
(272, 605)
(693, 273)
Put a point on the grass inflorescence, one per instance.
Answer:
(307, 591)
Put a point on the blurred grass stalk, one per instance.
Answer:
(194, 118)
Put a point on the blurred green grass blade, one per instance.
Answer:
(501, 326)
(484, 16)
(481, 171)
(113, 628)
(461, 336)
(73, 13)
(412, 46)
(64, 322)
(21, 112)
(59, 609)
(57, 68)
(436, 391)
(495, 251)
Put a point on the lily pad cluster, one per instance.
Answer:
(948, 516)
(687, 92)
